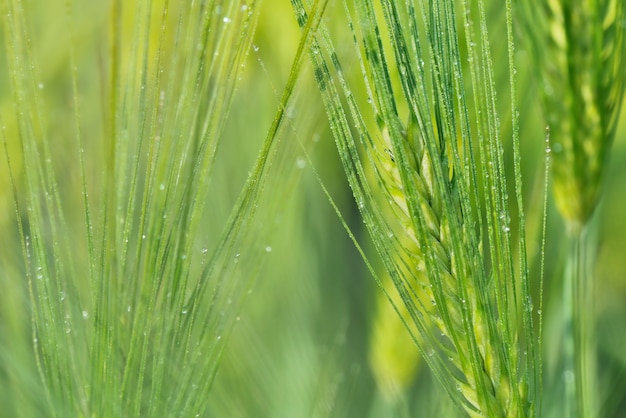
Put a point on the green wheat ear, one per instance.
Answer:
(431, 205)
(580, 48)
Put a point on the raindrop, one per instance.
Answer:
(227, 19)
(219, 337)
(85, 314)
(300, 163)
(268, 249)
(256, 48)
(184, 312)
(204, 250)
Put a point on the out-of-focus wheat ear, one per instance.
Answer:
(583, 73)
(579, 51)
(393, 355)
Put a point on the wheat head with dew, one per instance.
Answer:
(441, 173)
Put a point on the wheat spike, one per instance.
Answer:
(583, 74)
(489, 388)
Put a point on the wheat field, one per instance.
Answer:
(312, 208)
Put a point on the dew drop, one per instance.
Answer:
(268, 249)
(85, 315)
(300, 163)
(227, 19)
(40, 85)
(204, 250)
(184, 312)
(255, 48)
(162, 186)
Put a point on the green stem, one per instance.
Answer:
(579, 344)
